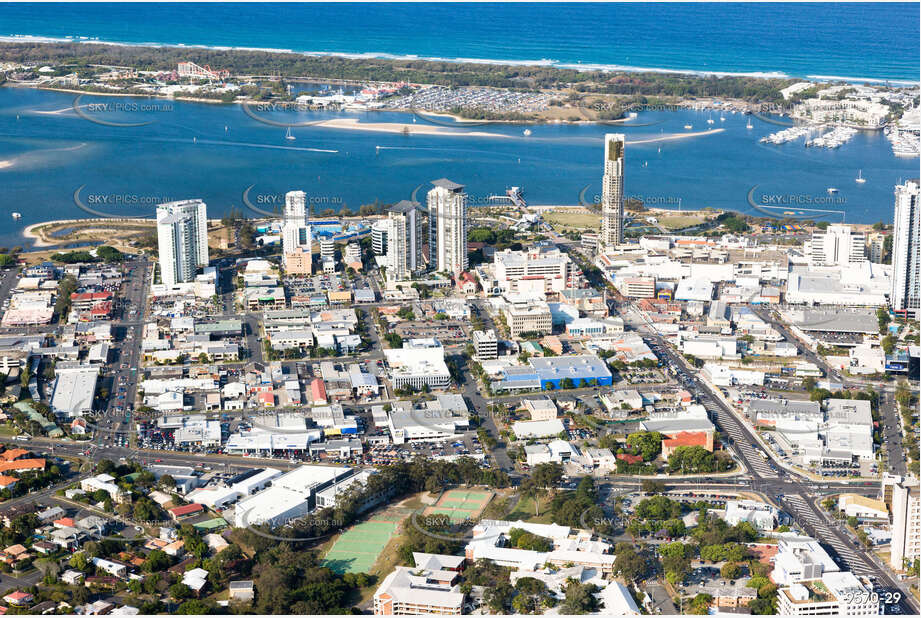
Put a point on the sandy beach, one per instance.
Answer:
(399, 127)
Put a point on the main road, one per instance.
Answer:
(795, 493)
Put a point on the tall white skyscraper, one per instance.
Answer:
(296, 207)
(838, 245)
(182, 240)
(612, 192)
(906, 524)
(447, 206)
(295, 233)
(906, 255)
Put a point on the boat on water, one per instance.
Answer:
(832, 190)
(527, 132)
(688, 126)
(17, 216)
(288, 134)
(749, 125)
(722, 118)
(860, 177)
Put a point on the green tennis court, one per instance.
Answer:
(357, 549)
(460, 504)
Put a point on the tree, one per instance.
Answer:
(180, 591)
(628, 563)
(888, 344)
(648, 444)
(498, 597)
(157, 560)
(731, 570)
(882, 316)
(580, 599)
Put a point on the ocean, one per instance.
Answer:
(855, 41)
(57, 164)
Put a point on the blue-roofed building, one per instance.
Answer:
(519, 378)
(580, 369)
(549, 372)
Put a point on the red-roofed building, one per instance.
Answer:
(64, 522)
(186, 510)
(466, 284)
(99, 311)
(7, 482)
(18, 598)
(13, 454)
(21, 465)
(267, 399)
(85, 300)
(318, 392)
(703, 439)
(630, 459)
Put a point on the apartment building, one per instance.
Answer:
(906, 524)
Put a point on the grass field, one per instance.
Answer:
(358, 548)
(572, 221)
(677, 222)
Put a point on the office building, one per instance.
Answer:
(528, 316)
(612, 196)
(906, 525)
(447, 206)
(838, 245)
(419, 363)
(905, 297)
(486, 344)
(299, 261)
(182, 240)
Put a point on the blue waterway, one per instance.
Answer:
(878, 41)
(216, 152)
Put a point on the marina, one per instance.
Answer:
(833, 139)
(787, 135)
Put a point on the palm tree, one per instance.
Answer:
(529, 489)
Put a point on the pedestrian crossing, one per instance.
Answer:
(846, 553)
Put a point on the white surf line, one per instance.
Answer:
(254, 145)
(59, 111)
(674, 136)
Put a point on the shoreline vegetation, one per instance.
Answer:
(583, 95)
